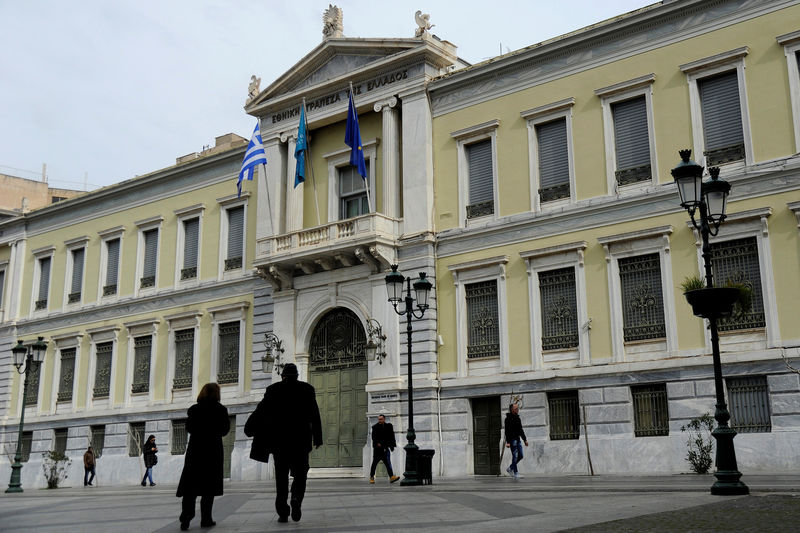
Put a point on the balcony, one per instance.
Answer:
(368, 239)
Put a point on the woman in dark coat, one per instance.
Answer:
(150, 459)
(202, 472)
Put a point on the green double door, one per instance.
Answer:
(342, 401)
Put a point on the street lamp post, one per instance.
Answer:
(710, 200)
(422, 287)
(31, 356)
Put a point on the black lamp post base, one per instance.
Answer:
(15, 485)
(411, 475)
(727, 473)
(729, 488)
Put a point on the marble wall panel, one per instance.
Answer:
(616, 394)
(783, 382)
(680, 389)
(590, 396)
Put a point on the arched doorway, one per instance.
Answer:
(337, 368)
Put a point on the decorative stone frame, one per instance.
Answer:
(490, 268)
(179, 322)
(61, 342)
(791, 46)
(236, 312)
(39, 254)
(184, 215)
(750, 223)
(72, 245)
(463, 138)
(152, 223)
(552, 258)
(96, 336)
(635, 243)
(3, 291)
(709, 66)
(541, 115)
(341, 158)
(140, 328)
(226, 203)
(620, 92)
(106, 236)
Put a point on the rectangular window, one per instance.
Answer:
(564, 417)
(632, 140)
(559, 309)
(2, 286)
(135, 438)
(184, 358)
(112, 267)
(142, 347)
(551, 138)
(150, 258)
(32, 396)
(27, 444)
(736, 261)
(44, 283)
(722, 118)
(235, 238)
(352, 192)
(102, 372)
(228, 371)
(642, 301)
(60, 440)
(179, 437)
(97, 439)
(191, 233)
(66, 379)
(483, 327)
(481, 186)
(748, 399)
(76, 286)
(650, 410)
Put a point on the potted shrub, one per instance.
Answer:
(716, 302)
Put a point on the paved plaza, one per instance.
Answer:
(678, 503)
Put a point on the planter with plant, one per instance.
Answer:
(699, 443)
(716, 302)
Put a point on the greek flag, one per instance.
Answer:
(253, 157)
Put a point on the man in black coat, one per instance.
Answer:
(383, 443)
(285, 424)
(515, 436)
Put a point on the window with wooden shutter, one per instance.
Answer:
(481, 186)
(632, 140)
(150, 258)
(77, 276)
(191, 234)
(112, 267)
(235, 238)
(551, 138)
(722, 118)
(44, 283)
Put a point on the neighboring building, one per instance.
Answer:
(561, 244)
(144, 291)
(22, 194)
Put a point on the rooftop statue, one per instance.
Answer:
(253, 88)
(423, 23)
(332, 25)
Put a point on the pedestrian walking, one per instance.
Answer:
(88, 467)
(286, 423)
(207, 422)
(515, 436)
(150, 459)
(383, 444)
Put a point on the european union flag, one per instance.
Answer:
(253, 157)
(300, 149)
(352, 138)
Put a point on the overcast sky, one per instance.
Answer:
(114, 89)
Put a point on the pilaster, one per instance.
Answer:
(417, 130)
(391, 155)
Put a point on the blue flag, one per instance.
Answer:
(253, 157)
(352, 138)
(300, 149)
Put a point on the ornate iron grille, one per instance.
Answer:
(559, 309)
(736, 261)
(184, 355)
(27, 443)
(726, 154)
(109, 290)
(338, 341)
(556, 192)
(73, 297)
(102, 374)
(135, 439)
(40, 304)
(32, 396)
(233, 263)
(483, 328)
(60, 440)
(228, 371)
(480, 209)
(642, 303)
(98, 439)
(148, 281)
(67, 375)
(749, 404)
(564, 417)
(627, 176)
(189, 273)
(179, 437)
(142, 349)
(650, 410)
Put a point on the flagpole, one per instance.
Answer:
(311, 163)
(366, 179)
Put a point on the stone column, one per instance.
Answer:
(294, 195)
(391, 156)
(417, 135)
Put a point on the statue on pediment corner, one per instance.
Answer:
(254, 88)
(423, 23)
(332, 22)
